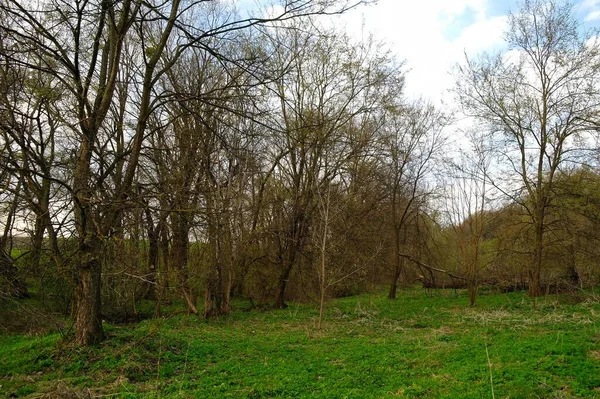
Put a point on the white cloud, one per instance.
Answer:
(484, 34)
(590, 3)
(592, 16)
(419, 32)
(592, 10)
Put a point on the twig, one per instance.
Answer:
(487, 353)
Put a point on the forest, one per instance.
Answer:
(198, 153)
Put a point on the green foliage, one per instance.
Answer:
(420, 345)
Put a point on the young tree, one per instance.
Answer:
(411, 140)
(536, 101)
(467, 202)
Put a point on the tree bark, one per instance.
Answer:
(535, 285)
(398, 262)
(294, 243)
(88, 300)
(472, 288)
(395, 278)
(281, 286)
(153, 233)
(179, 258)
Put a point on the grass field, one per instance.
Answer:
(427, 345)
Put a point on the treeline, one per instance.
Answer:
(179, 151)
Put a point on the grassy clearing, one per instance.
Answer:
(417, 346)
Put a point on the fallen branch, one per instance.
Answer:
(435, 269)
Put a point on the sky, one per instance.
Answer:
(433, 35)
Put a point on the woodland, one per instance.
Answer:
(195, 153)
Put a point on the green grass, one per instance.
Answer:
(417, 346)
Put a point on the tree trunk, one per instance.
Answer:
(88, 300)
(294, 241)
(217, 299)
(37, 243)
(88, 269)
(398, 262)
(574, 277)
(472, 288)
(162, 279)
(153, 232)
(218, 285)
(281, 285)
(535, 286)
(179, 257)
(395, 278)
(286, 264)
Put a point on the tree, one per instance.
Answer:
(467, 205)
(28, 130)
(575, 217)
(411, 140)
(332, 86)
(537, 103)
(84, 45)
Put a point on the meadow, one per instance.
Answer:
(426, 344)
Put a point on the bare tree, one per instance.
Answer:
(29, 131)
(411, 141)
(537, 102)
(331, 86)
(467, 209)
(81, 44)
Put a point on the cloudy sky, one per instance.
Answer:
(433, 35)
